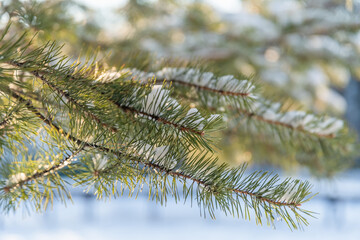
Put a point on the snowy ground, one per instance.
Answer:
(338, 206)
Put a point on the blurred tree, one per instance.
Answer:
(158, 122)
(303, 52)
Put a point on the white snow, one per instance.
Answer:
(109, 76)
(297, 119)
(158, 101)
(206, 79)
(195, 118)
(154, 101)
(159, 155)
(330, 97)
(194, 76)
(15, 178)
(160, 152)
(289, 195)
(99, 161)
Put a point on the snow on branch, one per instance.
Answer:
(226, 85)
(269, 112)
(64, 94)
(18, 179)
(261, 109)
(5, 121)
(158, 102)
(159, 106)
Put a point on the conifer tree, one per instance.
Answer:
(302, 50)
(144, 125)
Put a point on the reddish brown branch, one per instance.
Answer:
(43, 173)
(204, 88)
(278, 123)
(4, 122)
(159, 119)
(264, 199)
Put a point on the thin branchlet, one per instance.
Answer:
(282, 124)
(45, 172)
(46, 120)
(203, 88)
(5, 121)
(65, 95)
(159, 119)
(206, 185)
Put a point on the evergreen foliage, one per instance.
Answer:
(146, 122)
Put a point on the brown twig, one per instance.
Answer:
(4, 122)
(159, 119)
(204, 88)
(286, 125)
(45, 172)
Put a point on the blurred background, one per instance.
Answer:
(306, 52)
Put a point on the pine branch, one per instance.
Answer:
(214, 190)
(135, 111)
(164, 116)
(64, 94)
(108, 77)
(284, 124)
(271, 197)
(209, 186)
(205, 181)
(146, 135)
(201, 88)
(51, 124)
(293, 130)
(21, 179)
(5, 121)
(210, 89)
(256, 109)
(189, 77)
